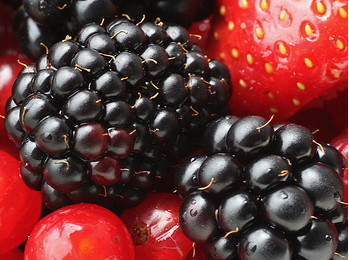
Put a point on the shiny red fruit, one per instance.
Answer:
(13, 254)
(81, 231)
(155, 229)
(20, 207)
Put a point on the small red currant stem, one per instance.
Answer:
(283, 173)
(98, 101)
(171, 58)
(141, 21)
(1, 116)
(321, 147)
(111, 37)
(175, 191)
(313, 217)
(140, 172)
(196, 112)
(65, 162)
(80, 67)
(104, 194)
(23, 64)
(107, 55)
(124, 169)
(62, 7)
(124, 78)
(342, 256)
(196, 35)
(231, 232)
(343, 202)
(120, 196)
(66, 141)
(46, 48)
(208, 185)
(150, 60)
(102, 22)
(267, 123)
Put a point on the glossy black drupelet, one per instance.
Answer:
(102, 118)
(41, 23)
(263, 191)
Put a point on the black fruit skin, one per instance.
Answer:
(282, 200)
(113, 95)
(48, 21)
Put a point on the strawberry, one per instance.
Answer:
(282, 53)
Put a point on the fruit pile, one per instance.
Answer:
(173, 130)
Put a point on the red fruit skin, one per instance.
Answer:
(13, 254)
(341, 143)
(81, 231)
(9, 42)
(282, 54)
(155, 230)
(330, 117)
(20, 207)
(198, 252)
(200, 32)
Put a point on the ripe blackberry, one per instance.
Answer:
(263, 191)
(102, 117)
(42, 23)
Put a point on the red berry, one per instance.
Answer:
(155, 229)
(282, 53)
(13, 254)
(20, 207)
(80, 231)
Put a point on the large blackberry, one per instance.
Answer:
(102, 117)
(46, 21)
(259, 191)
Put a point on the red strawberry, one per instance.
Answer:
(282, 53)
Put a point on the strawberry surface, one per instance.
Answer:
(282, 54)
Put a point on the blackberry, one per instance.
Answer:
(263, 191)
(41, 23)
(103, 116)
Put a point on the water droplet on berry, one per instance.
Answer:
(328, 238)
(193, 212)
(251, 248)
(283, 195)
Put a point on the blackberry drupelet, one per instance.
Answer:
(48, 21)
(263, 191)
(101, 118)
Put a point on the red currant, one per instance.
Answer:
(13, 254)
(81, 231)
(20, 207)
(155, 230)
